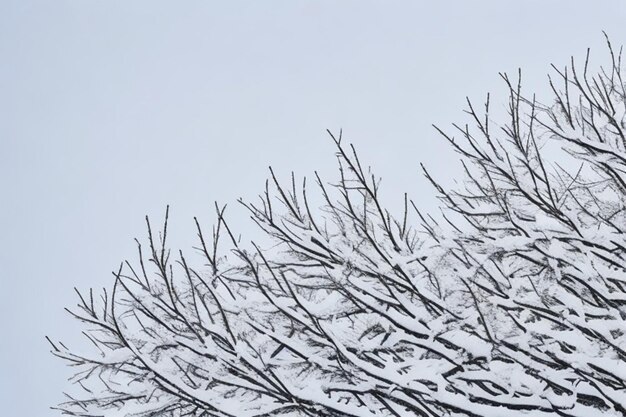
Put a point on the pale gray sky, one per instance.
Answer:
(112, 109)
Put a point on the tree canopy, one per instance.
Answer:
(511, 302)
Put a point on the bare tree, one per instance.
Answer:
(512, 302)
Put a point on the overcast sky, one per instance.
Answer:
(109, 110)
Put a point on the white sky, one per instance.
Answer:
(112, 109)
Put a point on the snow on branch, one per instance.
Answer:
(512, 303)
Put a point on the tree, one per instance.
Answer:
(512, 302)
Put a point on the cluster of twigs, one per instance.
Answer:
(513, 301)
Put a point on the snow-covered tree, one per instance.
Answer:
(511, 302)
